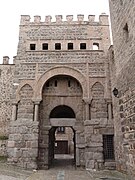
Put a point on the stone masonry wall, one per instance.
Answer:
(123, 63)
(6, 84)
(35, 67)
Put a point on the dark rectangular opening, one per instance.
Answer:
(45, 46)
(70, 46)
(69, 83)
(55, 83)
(47, 84)
(82, 45)
(57, 46)
(32, 47)
(108, 147)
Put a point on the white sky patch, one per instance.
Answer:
(10, 11)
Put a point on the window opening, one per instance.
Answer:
(61, 130)
(78, 85)
(126, 32)
(16, 111)
(108, 147)
(32, 47)
(47, 84)
(45, 46)
(70, 46)
(57, 46)
(69, 83)
(82, 45)
(55, 83)
(95, 46)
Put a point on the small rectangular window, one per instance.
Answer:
(95, 46)
(55, 83)
(82, 45)
(70, 46)
(108, 147)
(45, 46)
(57, 46)
(69, 83)
(32, 47)
(47, 84)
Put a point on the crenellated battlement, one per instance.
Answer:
(103, 20)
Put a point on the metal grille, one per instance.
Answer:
(108, 147)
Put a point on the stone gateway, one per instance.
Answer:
(60, 78)
(62, 81)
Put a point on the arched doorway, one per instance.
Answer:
(62, 146)
(61, 107)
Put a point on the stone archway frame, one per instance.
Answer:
(60, 70)
(102, 82)
(22, 84)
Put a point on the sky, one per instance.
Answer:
(11, 10)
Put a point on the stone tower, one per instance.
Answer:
(62, 80)
(123, 73)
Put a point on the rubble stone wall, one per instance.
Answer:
(6, 85)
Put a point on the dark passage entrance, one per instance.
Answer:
(62, 146)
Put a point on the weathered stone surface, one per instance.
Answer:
(122, 63)
(59, 80)
(3, 147)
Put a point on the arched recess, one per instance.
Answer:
(21, 85)
(62, 111)
(60, 70)
(25, 104)
(98, 104)
(62, 116)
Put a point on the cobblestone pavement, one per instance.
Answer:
(58, 172)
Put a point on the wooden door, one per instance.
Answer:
(61, 147)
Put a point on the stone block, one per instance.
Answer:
(48, 19)
(11, 144)
(110, 165)
(90, 164)
(28, 144)
(31, 165)
(95, 144)
(92, 122)
(34, 144)
(33, 152)
(89, 155)
(91, 18)
(98, 156)
(69, 18)
(97, 138)
(88, 129)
